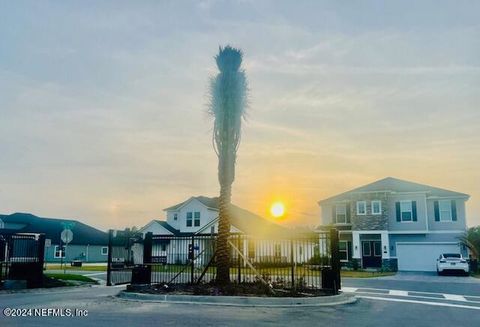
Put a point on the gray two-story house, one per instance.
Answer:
(396, 225)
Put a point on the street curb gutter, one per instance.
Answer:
(241, 301)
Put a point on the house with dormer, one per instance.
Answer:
(396, 224)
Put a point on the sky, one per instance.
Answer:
(103, 104)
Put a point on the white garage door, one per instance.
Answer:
(422, 256)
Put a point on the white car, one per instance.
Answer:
(452, 262)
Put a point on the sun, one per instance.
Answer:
(277, 209)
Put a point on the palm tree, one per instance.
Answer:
(228, 92)
(471, 239)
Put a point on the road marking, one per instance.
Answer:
(398, 293)
(454, 297)
(440, 304)
(349, 289)
(95, 274)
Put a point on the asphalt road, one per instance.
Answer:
(392, 301)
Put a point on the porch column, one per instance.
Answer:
(385, 246)
(356, 245)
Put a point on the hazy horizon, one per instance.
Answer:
(103, 105)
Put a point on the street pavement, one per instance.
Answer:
(404, 299)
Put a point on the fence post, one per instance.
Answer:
(292, 261)
(192, 266)
(335, 260)
(109, 260)
(147, 248)
(41, 249)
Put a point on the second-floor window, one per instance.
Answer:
(361, 208)
(196, 216)
(189, 218)
(406, 210)
(175, 216)
(445, 209)
(341, 213)
(376, 207)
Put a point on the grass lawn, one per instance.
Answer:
(365, 274)
(71, 277)
(84, 268)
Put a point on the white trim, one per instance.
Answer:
(427, 232)
(434, 197)
(101, 250)
(371, 231)
(426, 214)
(431, 243)
(365, 212)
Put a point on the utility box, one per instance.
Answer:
(141, 274)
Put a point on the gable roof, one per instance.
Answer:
(391, 184)
(82, 233)
(167, 226)
(211, 203)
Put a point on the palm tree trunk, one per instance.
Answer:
(223, 250)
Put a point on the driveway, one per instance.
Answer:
(420, 282)
(431, 277)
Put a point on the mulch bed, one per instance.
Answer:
(234, 289)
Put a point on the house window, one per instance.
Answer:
(163, 247)
(278, 250)
(361, 208)
(376, 207)
(406, 210)
(445, 209)
(104, 250)
(175, 216)
(341, 213)
(343, 250)
(59, 251)
(189, 219)
(196, 222)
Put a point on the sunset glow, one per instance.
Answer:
(277, 209)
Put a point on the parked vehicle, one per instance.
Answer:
(452, 262)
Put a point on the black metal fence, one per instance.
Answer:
(305, 261)
(22, 258)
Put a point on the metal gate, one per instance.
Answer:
(22, 257)
(125, 250)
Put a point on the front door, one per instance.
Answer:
(372, 254)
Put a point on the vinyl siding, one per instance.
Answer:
(91, 253)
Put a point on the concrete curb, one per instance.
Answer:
(241, 301)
